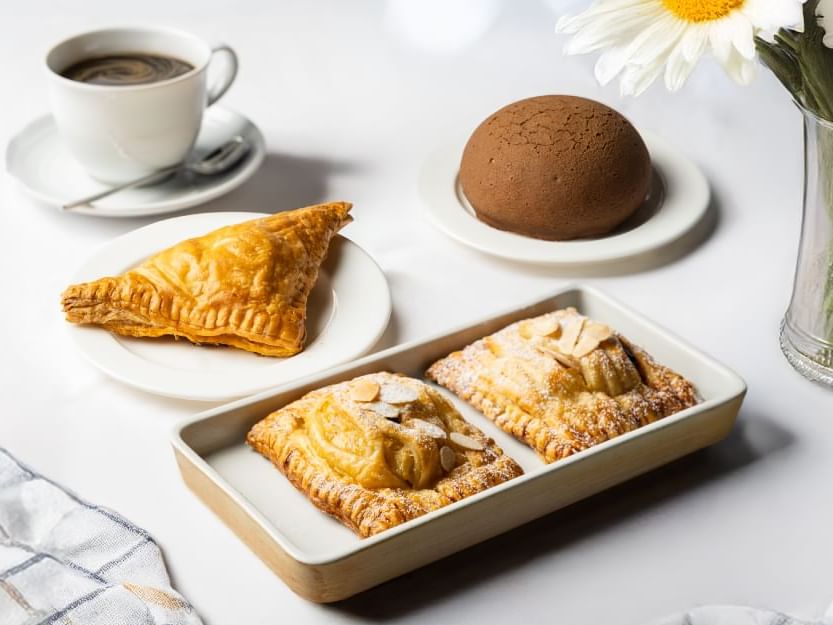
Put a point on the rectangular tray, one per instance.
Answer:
(324, 561)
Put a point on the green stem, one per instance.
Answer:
(783, 64)
(789, 39)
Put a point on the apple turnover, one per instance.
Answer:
(244, 285)
(562, 383)
(380, 450)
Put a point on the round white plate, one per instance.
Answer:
(348, 311)
(678, 201)
(46, 170)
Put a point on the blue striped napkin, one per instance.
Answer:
(65, 560)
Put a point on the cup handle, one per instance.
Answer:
(218, 87)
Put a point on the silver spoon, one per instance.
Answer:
(215, 162)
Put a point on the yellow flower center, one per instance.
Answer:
(702, 10)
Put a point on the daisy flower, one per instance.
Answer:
(644, 39)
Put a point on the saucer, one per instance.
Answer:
(347, 312)
(46, 170)
(678, 200)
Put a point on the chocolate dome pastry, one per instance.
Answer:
(555, 167)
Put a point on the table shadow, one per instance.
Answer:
(754, 438)
(282, 182)
(390, 337)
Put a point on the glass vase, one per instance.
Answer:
(807, 329)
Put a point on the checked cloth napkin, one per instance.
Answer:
(64, 560)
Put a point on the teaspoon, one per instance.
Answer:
(215, 162)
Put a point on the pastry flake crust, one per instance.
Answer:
(562, 383)
(244, 285)
(380, 450)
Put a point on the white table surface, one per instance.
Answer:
(351, 97)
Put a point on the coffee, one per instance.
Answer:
(128, 69)
(139, 104)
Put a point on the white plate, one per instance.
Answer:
(348, 311)
(46, 170)
(678, 201)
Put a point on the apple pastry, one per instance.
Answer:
(244, 285)
(562, 383)
(380, 450)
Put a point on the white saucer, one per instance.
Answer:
(348, 312)
(46, 170)
(678, 201)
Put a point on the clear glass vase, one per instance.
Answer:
(807, 329)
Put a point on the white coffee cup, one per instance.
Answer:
(121, 132)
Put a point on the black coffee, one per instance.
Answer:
(126, 69)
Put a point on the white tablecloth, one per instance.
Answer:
(351, 97)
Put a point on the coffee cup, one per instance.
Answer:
(129, 101)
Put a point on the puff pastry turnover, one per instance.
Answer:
(562, 383)
(379, 450)
(244, 285)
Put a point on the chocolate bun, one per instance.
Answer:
(555, 167)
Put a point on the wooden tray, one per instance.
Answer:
(323, 561)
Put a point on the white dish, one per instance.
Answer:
(348, 311)
(323, 561)
(41, 163)
(679, 200)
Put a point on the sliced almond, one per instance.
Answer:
(598, 331)
(384, 410)
(434, 431)
(572, 330)
(585, 345)
(466, 442)
(393, 393)
(564, 360)
(448, 459)
(364, 389)
(553, 352)
(547, 326)
(526, 330)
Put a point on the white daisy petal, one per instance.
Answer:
(720, 39)
(824, 12)
(772, 14)
(656, 40)
(637, 78)
(572, 23)
(693, 43)
(589, 39)
(743, 39)
(677, 68)
(607, 32)
(739, 68)
(641, 40)
(569, 24)
(610, 64)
